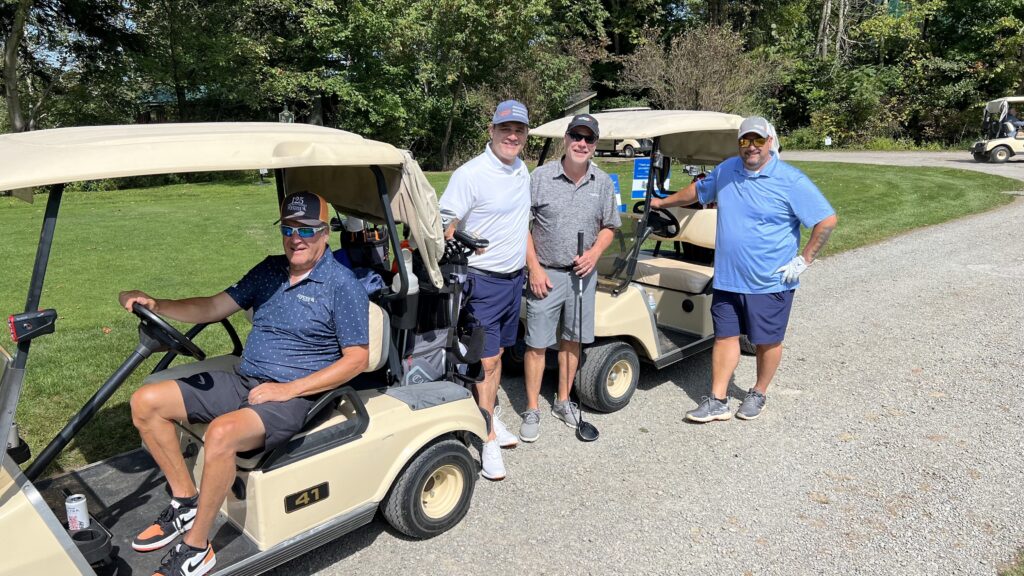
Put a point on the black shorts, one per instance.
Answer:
(208, 395)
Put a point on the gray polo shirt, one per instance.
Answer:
(560, 209)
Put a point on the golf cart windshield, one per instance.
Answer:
(683, 136)
(994, 114)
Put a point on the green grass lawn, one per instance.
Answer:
(191, 239)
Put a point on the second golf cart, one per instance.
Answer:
(392, 445)
(653, 299)
(1000, 139)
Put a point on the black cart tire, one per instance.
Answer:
(980, 157)
(433, 492)
(610, 373)
(747, 348)
(629, 152)
(999, 155)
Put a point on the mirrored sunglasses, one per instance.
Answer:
(759, 142)
(303, 231)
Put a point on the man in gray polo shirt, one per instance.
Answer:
(567, 196)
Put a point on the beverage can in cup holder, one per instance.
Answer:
(78, 512)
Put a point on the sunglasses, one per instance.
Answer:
(576, 137)
(304, 231)
(759, 142)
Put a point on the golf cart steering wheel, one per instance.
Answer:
(662, 222)
(166, 333)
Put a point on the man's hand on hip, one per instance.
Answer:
(270, 392)
(790, 272)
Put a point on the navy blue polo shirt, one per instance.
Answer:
(300, 329)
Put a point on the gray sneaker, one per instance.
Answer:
(752, 405)
(708, 410)
(530, 430)
(567, 412)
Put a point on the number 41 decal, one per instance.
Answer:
(293, 502)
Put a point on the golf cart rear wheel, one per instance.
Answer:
(999, 155)
(610, 372)
(433, 492)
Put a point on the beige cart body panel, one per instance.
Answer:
(372, 463)
(31, 529)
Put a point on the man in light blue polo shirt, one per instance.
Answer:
(762, 202)
(490, 197)
(310, 334)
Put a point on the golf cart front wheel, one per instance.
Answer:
(610, 373)
(999, 155)
(747, 348)
(980, 156)
(629, 152)
(433, 493)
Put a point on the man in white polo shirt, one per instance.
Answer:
(490, 196)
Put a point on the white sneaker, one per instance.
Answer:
(506, 439)
(491, 461)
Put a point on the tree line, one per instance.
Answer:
(424, 74)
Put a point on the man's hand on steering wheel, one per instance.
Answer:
(129, 297)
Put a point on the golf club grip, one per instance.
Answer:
(579, 243)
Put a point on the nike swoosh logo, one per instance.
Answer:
(192, 567)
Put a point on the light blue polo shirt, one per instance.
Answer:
(759, 218)
(300, 329)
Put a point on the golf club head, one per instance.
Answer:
(587, 432)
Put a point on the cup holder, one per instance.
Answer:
(93, 542)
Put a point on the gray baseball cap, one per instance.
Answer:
(511, 111)
(756, 125)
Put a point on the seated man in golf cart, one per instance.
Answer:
(310, 334)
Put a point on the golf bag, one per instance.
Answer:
(446, 342)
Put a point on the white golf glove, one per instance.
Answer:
(790, 272)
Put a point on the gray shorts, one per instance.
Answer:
(558, 308)
(208, 395)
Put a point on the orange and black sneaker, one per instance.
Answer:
(176, 519)
(184, 560)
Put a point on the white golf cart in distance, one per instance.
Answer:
(999, 139)
(654, 282)
(398, 448)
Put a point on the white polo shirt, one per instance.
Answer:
(492, 200)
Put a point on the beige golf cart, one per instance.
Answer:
(654, 281)
(385, 444)
(1000, 139)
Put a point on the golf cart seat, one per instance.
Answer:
(696, 227)
(322, 415)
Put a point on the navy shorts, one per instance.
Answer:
(494, 304)
(762, 317)
(208, 395)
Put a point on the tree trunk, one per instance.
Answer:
(841, 30)
(11, 66)
(823, 29)
(448, 126)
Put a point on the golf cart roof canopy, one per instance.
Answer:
(340, 166)
(694, 137)
(994, 106)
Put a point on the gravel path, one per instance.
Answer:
(890, 444)
(1013, 168)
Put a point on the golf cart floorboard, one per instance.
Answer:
(126, 493)
(679, 345)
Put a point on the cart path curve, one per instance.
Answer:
(1013, 168)
(890, 443)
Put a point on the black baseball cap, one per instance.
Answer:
(305, 208)
(585, 120)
